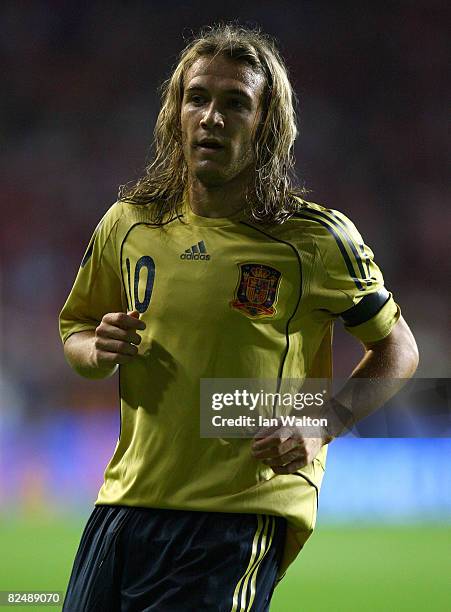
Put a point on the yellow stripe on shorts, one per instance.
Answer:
(258, 552)
(272, 523)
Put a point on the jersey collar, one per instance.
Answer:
(191, 218)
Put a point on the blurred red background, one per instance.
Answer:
(78, 107)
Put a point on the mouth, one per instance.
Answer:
(209, 146)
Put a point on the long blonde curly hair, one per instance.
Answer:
(272, 198)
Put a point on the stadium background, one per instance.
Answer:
(79, 100)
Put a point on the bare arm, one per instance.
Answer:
(396, 356)
(383, 370)
(97, 353)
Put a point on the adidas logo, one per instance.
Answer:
(196, 252)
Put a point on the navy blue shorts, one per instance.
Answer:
(153, 560)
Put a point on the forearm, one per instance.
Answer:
(80, 354)
(382, 372)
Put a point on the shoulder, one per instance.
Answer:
(330, 229)
(119, 219)
(110, 219)
(335, 238)
(322, 220)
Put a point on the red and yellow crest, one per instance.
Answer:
(256, 292)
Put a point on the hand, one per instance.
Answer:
(285, 450)
(116, 339)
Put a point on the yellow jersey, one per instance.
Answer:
(221, 298)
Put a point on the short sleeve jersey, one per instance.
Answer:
(221, 298)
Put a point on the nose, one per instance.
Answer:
(212, 118)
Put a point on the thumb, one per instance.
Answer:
(134, 314)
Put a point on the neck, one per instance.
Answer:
(218, 201)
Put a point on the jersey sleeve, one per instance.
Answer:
(353, 285)
(98, 287)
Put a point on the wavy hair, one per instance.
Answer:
(272, 198)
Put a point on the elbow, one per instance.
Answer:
(408, 349)
(398, 351)
(414, 356)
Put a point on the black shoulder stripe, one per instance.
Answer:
(366, 309)
(340, 245)
(361, 245)
(348, 239)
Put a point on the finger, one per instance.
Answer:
(271, 444)
(266, 432)
(291, 467)
(123, 321)
(105, 330)
(274, 439)
(134, 314)
(278, 451)
(115, 346)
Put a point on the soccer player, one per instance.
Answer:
(213, 265)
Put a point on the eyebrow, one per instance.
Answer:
(233, 92)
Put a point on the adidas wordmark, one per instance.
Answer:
(198, 252)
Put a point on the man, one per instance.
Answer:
(164, 292)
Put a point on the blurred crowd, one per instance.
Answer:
(80, 97)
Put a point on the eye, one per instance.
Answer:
(236, 104)
(196, 99)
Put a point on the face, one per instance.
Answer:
(219, 116)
